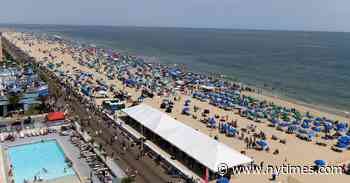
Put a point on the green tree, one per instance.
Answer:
(14, 100)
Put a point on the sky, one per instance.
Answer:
(320, 15)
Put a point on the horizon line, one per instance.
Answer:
(172, 27)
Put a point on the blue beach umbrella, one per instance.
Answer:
(318, 119)
(344, 139)
(305, 125)
(231, 130)
(328, 126)
(320, 162)
(186, 110)
(274, 121)
(262, 143)
(342, 127)
(311, 134)
(342, 145)
(212, 122)
(317, 129)
(222, 180)
(317, 123)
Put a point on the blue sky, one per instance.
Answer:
(323, 15)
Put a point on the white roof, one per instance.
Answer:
(199, 146)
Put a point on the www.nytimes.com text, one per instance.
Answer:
(280, 170)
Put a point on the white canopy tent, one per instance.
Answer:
(195, 144)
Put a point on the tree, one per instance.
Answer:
(14, 100)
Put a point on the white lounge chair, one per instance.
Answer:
(28, 133)
(42, 132)
(2, 137)
(21, 134)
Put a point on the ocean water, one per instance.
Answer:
(313, 67)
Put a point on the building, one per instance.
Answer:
(22, 83)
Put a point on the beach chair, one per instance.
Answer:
(2, 137)
(21, 134)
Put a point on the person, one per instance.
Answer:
(274, 175)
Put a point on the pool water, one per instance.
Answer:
(43, 159)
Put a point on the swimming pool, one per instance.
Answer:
(43, 159)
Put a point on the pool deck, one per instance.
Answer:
(81, 168)
(3, 174)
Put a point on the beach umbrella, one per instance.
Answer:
(274, 121)
(318, 119)
(344, 139)
(342, 145)
(305, 125)
(317, 129)
(311, 135)
(231, 130)
(342, 127)
(262, 143)
(320, 162)
(186, 110)
(328, 126)
(317, 123)
(222, 180)
(212, 121)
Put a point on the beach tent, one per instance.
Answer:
(55, 116)
(205, 150)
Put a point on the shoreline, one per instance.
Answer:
(259, 92)
(329, 109)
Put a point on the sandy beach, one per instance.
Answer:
(294, 152)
